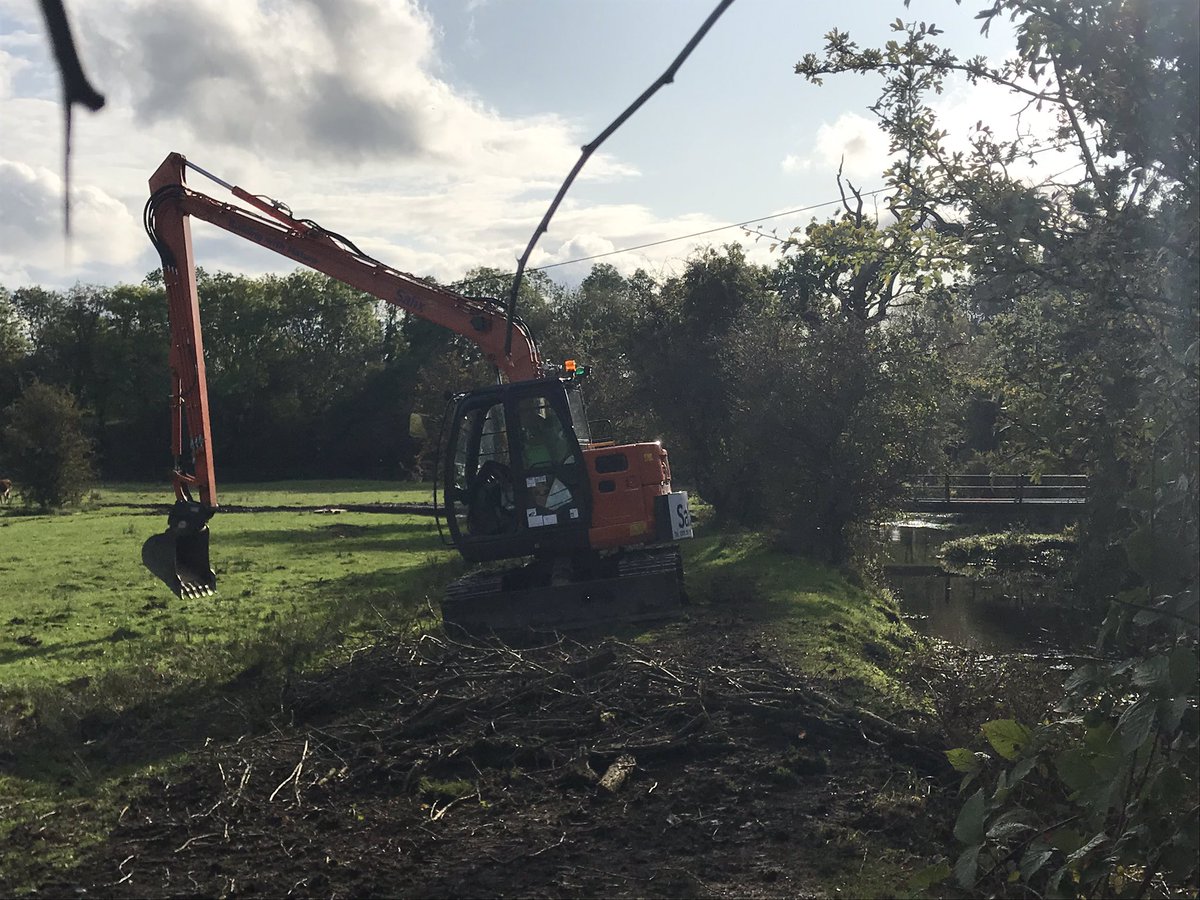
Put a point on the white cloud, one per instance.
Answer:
(10, 65)
(31, 230)
(856, 142)
(326, 82)
(853, 142)
(335, 106)
(1010, 116)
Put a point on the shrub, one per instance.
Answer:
(47, 448)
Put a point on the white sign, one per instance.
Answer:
(681, 516)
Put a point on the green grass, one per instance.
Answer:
(106, 676)
(823, 621)
(1010, 551)
(77, 602)
(276, 493)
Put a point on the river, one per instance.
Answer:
(1005, 615)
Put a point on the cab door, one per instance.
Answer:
(554, 483)
(513, 476)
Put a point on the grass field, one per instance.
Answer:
(76, 603)
(105, 674)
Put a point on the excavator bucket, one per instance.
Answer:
(180, 561)
(640, 586)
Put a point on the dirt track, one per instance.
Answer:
(449, 769)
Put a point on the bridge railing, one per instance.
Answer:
(995, 488)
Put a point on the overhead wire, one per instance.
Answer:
(682, 237)
(695, 234)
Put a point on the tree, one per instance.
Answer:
(601, 319)
(13, 348)
(832, 418)
(681, 337)
(1102, 800)
(47, 447)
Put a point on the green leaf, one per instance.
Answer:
(1136, 724)
(1066, 840)
(1087, 848)
(1008, 824)
(1075, 768)
(1171, 712)
(1153, 673)
(1023, 768)
(963, 760)
(929, 876)
(969, 826)
(1006, 736)
(1099, 735)
(1055, 881)
(1084, 675)
(1035, 857)
(1185, 669)
(967, 866)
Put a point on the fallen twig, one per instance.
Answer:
(295, 775)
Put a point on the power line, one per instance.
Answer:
(719, 228)
(695, 234)
(670, 240)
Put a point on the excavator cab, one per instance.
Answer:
(514, 481)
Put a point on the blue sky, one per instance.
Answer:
(435, 134)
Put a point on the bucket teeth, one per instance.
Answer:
(181, 563)
(192, 591)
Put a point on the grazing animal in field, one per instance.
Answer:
(5, 490)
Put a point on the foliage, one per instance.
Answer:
(813, 414)
(13, 345)
(604, 318)
(46, 447)
(1009, 551)
(1101, 800)
(680, 346)
(1084, 288)
(829, 420)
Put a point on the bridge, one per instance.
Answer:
(1006, 494)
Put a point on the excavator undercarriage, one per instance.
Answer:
(560, 595)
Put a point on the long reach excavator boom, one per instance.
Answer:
(168, 212)
(521, 476)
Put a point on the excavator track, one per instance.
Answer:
(635, 586)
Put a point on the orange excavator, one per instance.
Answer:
(519, 476)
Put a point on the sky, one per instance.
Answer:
(435, 134)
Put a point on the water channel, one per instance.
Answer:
(1006, 614)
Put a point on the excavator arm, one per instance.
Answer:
(271, 225)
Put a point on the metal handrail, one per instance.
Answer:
(997, 488)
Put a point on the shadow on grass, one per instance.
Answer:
(408, 537)
(68, 647)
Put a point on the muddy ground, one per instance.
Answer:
(698, 764)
